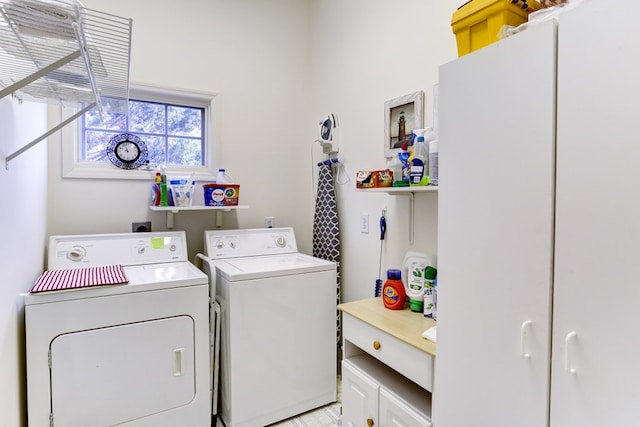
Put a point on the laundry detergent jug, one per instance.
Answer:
(413, 277)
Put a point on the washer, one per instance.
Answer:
(134, 355)
(278, 334)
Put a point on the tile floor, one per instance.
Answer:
(326, 416)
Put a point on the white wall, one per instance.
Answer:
(23, 230)
(365, 53)
(278, 66)
(256, 56)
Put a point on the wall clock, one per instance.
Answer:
(127, 151)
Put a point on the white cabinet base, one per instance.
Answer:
(374, 394)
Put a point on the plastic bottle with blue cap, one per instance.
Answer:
(419, 160)
(223, 177)
(393, 293)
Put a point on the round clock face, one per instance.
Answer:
(127, 151)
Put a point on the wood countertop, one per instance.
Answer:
(404, 324)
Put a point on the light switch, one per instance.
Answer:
(364, 223)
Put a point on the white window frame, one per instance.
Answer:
(74, 167)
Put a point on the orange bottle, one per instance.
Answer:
(393, 293)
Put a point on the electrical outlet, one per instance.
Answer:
(269, 222)
(141, 226)
(364, 223)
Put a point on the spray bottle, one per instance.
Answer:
(403, 155)
(430, 298)
(419, 160)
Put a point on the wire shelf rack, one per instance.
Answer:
(59, 51)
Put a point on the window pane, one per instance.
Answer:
(146, 117)
(95, 144)
(174, 134)
(115, 121)
(157, 149)
(185, 151)
(184, 121)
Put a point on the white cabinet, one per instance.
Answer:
(359, 396)
(597, 238)
(387, 370)
(495, 233)
(538, 226)
(375, 395)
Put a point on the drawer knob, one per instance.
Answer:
(376, 345)
(370, 422)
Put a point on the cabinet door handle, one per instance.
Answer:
(376, 345)
(370, 422)
(523, 332)
(567, 340)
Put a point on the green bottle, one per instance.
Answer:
(429, 291)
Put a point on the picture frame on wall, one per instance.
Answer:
(401, 116)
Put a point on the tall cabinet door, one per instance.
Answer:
(495, 233)
(596, 351)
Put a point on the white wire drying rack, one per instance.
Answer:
(58, 51)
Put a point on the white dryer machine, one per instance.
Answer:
(134, 355)
(278, 338)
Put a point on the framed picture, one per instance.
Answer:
(401, 116)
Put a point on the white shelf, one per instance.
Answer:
(170, 210)
(401, 190)
(404, 191)
(176, 209)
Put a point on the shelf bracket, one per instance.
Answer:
(170, 223)
(47, 134)
(170, 220)
(38, 74)
(412, 202)
(219, 219)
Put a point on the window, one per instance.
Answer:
(175, 126)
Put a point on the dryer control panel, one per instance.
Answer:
(220, 244)
(123, 248)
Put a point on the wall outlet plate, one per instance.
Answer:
(144, 226)
(269, 222)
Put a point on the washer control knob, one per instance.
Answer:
(76, 253)
(232, 244)
(281, 241)
(172, 248)
(219, 244)
(141, 249)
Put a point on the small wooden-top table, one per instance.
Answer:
(387, 367)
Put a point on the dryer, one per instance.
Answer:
(134, 355)
(278, 320)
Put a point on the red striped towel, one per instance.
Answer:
(56, 280)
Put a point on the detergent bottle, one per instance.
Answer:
(223, 177)
(419, 160)
(393, 293)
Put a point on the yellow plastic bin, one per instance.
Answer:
(477, 23)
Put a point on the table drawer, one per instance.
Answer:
(408, 360)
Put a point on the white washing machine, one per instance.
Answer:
(134, 355)
(278, 338)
